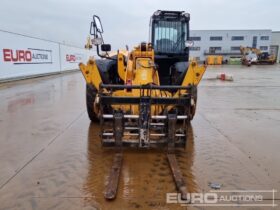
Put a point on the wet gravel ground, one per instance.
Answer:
(51, 158)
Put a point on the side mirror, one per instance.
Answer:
(96, 26)
(106, 47)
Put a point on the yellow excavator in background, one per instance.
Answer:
(144, 98)
(88, 44)
(255, 56)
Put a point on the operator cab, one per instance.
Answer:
(169, 35)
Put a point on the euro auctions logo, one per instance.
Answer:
(225, 198)
(74, 58)
(27, 56)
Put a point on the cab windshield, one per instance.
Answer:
(169, 36)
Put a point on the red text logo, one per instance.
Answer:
(17, 56)
(70, 58)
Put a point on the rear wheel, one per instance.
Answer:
(90, 98)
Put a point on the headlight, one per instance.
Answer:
(186, 14)
(157, 13)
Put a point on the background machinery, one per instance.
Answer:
(256, 56)
(144, 98)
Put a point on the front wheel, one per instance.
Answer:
(90, 98)
(193, 105)
(192, 110)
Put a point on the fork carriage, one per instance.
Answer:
(144, 129)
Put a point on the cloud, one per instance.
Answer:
(126, 21)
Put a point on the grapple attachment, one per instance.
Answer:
(149, 119)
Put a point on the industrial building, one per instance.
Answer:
(275, 44)
(227, 42)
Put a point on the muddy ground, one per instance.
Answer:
(50, 154)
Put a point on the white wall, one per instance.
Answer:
(70, 57)
(23, 56)
(275, 41)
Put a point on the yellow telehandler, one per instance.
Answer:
(146, 97)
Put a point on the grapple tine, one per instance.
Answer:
(112, 186)
(118, 128)
(177, 176)
(171, 122)
(176, 172)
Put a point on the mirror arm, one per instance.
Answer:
(95, 34)
(97, 48)
(98, 52)
(104, 56)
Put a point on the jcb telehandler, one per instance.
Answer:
(146, 97)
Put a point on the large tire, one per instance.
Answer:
(192, 111)
(90, 98)
(108, 70)
(193, 107)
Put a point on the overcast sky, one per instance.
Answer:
(127, 21)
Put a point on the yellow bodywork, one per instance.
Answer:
(138, 68)
(91, 73)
